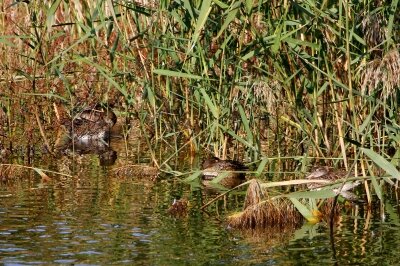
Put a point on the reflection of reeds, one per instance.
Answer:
(261, 211)
(142, 56)
(329, 209)
(9, 172)
(136, 170)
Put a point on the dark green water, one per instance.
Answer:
(96, 218)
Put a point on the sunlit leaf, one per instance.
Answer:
(261, 166)
(315, 194)
(201, 20)
(192, 177)
(305, 212)
(383, 163)
(172, 73)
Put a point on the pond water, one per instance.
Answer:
(97, 218)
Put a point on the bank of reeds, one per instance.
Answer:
(253, 79)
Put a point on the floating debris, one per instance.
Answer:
(179, 208)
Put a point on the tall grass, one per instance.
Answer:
(244, 79)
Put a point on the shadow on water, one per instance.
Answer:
(113, 208)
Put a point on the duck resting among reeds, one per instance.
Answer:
(331, 175)
(230, 171)
(90, 124)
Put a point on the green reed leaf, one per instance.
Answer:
(188, 6)
(201, 20)
(246, 124)
(171, 73)
(210, 103)
(382, 163)
(50, 14)
(315, 194)
(389, 31)
(192, 177)
(229, 18)
(305, 212)
(261, 166)
(377, 188)
(220, 176)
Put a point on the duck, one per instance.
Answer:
(331, 175)
(90, 124)
(233, 171)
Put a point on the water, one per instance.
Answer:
(97, 218)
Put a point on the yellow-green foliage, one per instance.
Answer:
(301, 77)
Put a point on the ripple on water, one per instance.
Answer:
(96, 219)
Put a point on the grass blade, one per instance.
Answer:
(382, 163)
(201, 20)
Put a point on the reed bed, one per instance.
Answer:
(261, 80)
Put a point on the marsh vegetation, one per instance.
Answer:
(279, 85)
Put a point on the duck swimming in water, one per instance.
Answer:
(330, 175)
(232, 171)
(90, 124)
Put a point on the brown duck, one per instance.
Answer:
(331, 175)
(232, 171)
(90, 124)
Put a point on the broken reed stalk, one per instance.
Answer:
(41, 130)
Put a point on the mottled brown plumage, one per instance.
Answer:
(90, 124)
(232, 171)
(330, 175)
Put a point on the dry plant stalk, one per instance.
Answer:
(254, 194)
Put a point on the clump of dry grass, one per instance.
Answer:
(254, 194)
(261, 211)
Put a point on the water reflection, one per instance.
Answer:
(116, 214)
